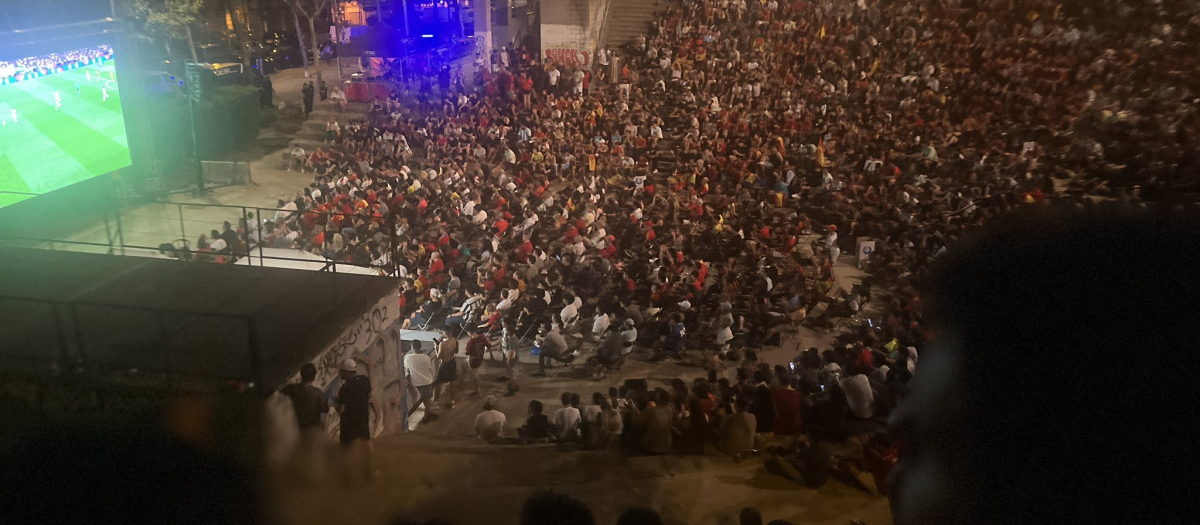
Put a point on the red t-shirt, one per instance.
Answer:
(787, 411)
(475, 349)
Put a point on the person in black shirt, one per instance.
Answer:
(537, 425)
(230, 236)
(309, 401)
(307, 91)
(353, 403)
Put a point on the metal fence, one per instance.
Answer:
(225, 173)
(172, 347)
(165, 230)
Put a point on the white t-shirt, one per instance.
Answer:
(568, 313)
(600, 324)
(859, 396)
(592, 413)
(419, 368)
(490, 422)
(566, 420)
(554, 74)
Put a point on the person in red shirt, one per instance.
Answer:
(787, 409)
(501, 226)
(435, 263)
(525, 249)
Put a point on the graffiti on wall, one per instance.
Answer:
(569, 56)
(356, 342)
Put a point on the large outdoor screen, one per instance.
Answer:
(60, 120)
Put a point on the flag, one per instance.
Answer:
(821, 33)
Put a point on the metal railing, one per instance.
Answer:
(173, 230)
(174, 347)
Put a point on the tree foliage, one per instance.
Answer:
(164, 20)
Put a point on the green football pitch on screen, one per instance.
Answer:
(60, 129)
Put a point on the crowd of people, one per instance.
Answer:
(15, 70)
(693, 197)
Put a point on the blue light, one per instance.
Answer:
(426, 36)
(181, 82)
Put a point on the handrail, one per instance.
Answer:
(602, 36)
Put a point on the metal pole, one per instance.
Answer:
(120, 232)
(108, 234)
(247, 232)
(182, 231)
(404, 5)
(261, 262)
(192, 119)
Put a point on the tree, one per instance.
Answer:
(164, 20)
(238, 11)
(310, 10)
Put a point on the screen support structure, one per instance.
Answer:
(194, 92)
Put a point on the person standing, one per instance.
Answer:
(448, 369)
(310, 405)
(419, 372)
(475, 350)
(308, 401)
(354, 405)
(307, 92)
(508, 351)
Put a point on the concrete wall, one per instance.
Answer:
(570, 30)
(373, 342)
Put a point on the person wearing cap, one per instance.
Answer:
(489, 424)
(353, 403)
(354, 406)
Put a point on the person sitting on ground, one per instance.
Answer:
(787, 408)
(537, 426)
(590, 423)
(738, 429)
(489, 424)
(655, 424)
(566, 419)
(859, 397)
(610, 424)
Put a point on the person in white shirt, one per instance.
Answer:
(570, 312)
(285, 210)
(554, 74)
(489, 424)
(218, 244)
(629, 333)
(859, 397)
(600, 324)
(420, 373)
(566, 419)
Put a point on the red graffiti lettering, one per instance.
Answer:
(569, 57)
